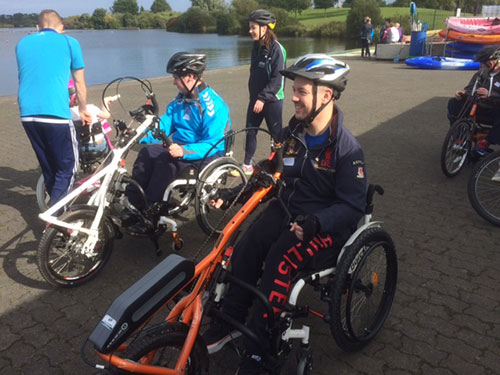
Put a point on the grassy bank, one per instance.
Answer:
(316, 17)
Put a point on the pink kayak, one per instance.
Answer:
(475, 25)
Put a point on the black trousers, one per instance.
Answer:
(154, 169)
(273, 113)
(365, 47)
(485, 115)
(269, 241)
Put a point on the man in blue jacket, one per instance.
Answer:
(325, 183)
(46, 61)
(196, 120)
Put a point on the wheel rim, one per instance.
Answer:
(370, 293)
(458, 146)
(223, 177)
(66, 260)
(487, 191)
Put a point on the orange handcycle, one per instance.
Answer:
(358, 287)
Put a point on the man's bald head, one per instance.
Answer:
(50, 19)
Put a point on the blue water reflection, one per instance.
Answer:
(144, 53)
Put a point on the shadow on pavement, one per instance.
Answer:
(437, 323)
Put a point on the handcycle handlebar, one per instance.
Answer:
(150, 108)
(372, 189)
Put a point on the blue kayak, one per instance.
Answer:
(466, 47)
(444, 63)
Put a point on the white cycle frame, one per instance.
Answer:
(100, 197)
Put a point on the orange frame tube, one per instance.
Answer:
(190, 307)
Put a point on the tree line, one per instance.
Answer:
(216, 16)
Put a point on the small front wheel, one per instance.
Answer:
(363, 289)
(456, 148)
(484, 188)
(61, 258)
(160, 345)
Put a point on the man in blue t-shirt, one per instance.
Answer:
(46, 61)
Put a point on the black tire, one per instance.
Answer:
(484, 194)
(456, 148)
(59, 258)
(166, 340)
(363, 289)
(42, 197)
(217, 175)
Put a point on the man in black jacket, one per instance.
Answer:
(486, 84)
(325, 183)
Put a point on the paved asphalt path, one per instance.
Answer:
(446, 315)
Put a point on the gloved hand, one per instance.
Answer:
(226, 196)
(310, 226)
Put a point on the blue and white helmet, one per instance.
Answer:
(320, 68)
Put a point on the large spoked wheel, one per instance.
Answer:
(364, 288)
(160, 345)
(484, 188)
(456, 147)
(42, 197)
(223, 173)
(60, 256)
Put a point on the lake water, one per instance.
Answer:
(109, 54)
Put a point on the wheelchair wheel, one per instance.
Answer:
(363, 289)
(223, 173)
(456, 147)
(484, 188)
(42, 197)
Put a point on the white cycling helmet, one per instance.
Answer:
(320, 68)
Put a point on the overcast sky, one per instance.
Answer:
(76, 7)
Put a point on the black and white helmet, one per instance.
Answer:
(491, 53)
(263, 17)
(320, 68)
(183, 63)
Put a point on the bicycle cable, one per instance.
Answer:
(242, 190)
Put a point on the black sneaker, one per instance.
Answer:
(218, 335)
(250, 365)
(128, 218)
(137, 230)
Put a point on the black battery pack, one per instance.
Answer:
(138, 302)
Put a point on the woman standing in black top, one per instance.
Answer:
(266, 85)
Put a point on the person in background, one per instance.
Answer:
(400, 31)
(384, 31)
(486, 84)
(46, 61)
(266, 85)
(366, 34)
(99, 116)
(393, 34)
